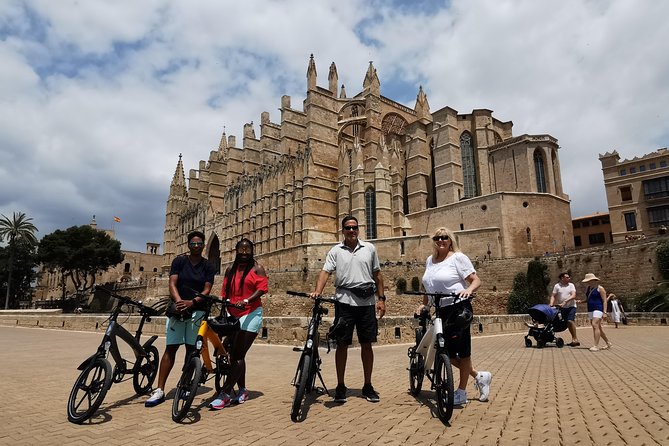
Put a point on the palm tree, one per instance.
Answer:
(14, 230)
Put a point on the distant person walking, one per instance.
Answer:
(616, 309)
(564, 296)
(596, 298)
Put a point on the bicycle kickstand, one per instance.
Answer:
(327, 392)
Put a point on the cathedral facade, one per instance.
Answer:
(402, 172)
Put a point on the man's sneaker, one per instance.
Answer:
(157, 397)
(482, 383)
(340, 393)
(460, 397)
(369, 393)
(223, 400)
(242, 396)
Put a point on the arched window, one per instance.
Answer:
(468, 166)
(529, 235)
(432, 182)
(356, 127)
(370, 212)
(540, 171)
(126, 268)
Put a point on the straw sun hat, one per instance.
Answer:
(589, 277)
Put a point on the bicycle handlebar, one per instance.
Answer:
(213, 299)
(422, 293)
(302, 294)
(126, 300)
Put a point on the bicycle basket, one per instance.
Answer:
(223, 325)
(459, 318)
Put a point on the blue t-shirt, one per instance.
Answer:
(594, 300)
(192, 276)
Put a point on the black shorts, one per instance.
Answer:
(458, 343)
(363, 319)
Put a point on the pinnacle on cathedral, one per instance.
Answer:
(422, 107)
(371, 81)
(178, 186)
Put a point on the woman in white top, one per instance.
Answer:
(617, 311)
(448, 270)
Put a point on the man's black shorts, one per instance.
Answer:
(363, 319)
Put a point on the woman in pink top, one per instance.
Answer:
(245, 281)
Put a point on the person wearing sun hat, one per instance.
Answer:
(596, 298)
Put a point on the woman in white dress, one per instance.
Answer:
(617, 311)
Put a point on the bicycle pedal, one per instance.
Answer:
(298, 349)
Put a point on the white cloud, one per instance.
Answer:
(97, 99)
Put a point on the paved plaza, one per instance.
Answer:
(552, 396)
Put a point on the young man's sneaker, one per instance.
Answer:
(242, 396)
(157, 397)
(340, 394)
(460, 397)
(482, 383)
(369, 393)
(223, 400)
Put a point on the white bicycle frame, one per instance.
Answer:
(434, 335)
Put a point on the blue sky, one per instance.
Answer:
(97, 98)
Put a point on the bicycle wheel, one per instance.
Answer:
(145, 370)
(303, 379)
(186, 389)
(222, 372)
(443, 382)
(416, 373)
(89, 390)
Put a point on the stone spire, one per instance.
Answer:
(178, 185)
(342, 95)
(223, 145)
(422, 107)
(311, 74)
(333, 79)
(372, 80)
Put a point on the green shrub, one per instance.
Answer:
(537, 282)
(662, 253)
(518, 302)
(401, 285)
(415, 283)
(656, 300)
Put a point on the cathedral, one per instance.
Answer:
(401, 172)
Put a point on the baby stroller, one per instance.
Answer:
(547, 321)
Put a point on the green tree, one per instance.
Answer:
(23, 271)
(16, 230)
(537, 282)
(518, 300)
(662, 255)
(79, 253)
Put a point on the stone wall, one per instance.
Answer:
(292, 330)
(626, 269)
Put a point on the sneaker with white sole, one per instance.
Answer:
(482, 383)
(157, 397)
(241, 397)
(370, 394)
(460, 397)
(221, 401)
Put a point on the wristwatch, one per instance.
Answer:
(383, 298)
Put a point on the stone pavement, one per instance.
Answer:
(551, 396)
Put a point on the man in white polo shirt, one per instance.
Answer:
(564, 292)
(358, 280)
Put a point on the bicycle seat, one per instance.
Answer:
(223, 325)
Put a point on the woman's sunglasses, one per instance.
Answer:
(443, 238)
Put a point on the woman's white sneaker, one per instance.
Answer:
(482, 383)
